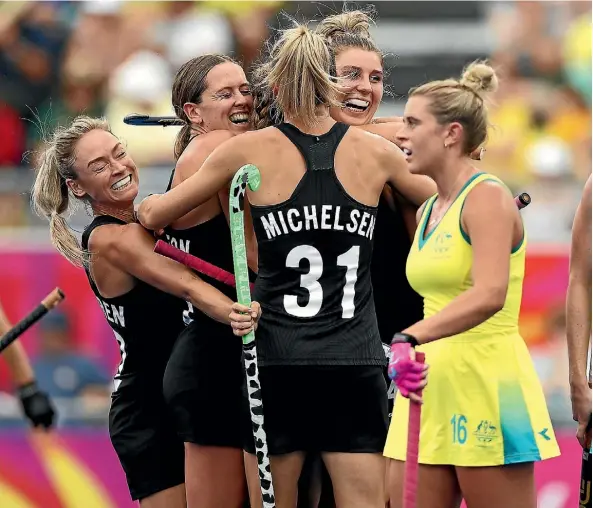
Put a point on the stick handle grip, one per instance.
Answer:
(195, 263)
(522, 200)
(48, 303)
(53, 299)
(411, 467)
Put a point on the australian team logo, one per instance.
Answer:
(486, 432)
(442, 242)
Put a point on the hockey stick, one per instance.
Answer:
(411, 467)
(522, 200)
(195, 263)
(145, 120)
(47, 304)
(585, 485)
(249, 175)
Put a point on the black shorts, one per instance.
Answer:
(144, 438)
(322, 409)
(203, 385)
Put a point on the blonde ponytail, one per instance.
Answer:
(50, 194)
(299, 73)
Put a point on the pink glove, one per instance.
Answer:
(407, 374)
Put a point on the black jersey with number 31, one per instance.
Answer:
(314, 280)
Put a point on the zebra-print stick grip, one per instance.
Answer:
(249, 175)
(48, 303)
(411, 468)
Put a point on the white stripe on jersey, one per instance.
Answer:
(122, 349)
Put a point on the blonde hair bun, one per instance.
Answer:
(353, 22)
(480, 77)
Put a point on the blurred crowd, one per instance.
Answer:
(541, 115)
(111, 58)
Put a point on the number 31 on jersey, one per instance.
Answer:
(310, 281)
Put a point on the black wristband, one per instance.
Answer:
(406, 338)
(27, 390)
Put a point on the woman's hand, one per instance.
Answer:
(244, 319)
(408, 375)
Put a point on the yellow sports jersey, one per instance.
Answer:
(483, 405)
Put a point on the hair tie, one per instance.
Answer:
(467, 87)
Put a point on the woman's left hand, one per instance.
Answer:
(244, 319)
(408, 375)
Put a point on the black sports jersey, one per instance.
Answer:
(143, 320)
(205, 373)
(314, 280)
(396, 303)
(209, 241)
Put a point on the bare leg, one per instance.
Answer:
(387, 463)
(437, 486)
(170, 498)
(511, 486)
(214, 476)
(310, 482)
(358, 479)
(286, 470)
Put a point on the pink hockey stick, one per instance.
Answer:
(195, 263)
(411, 469)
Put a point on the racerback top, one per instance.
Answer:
(314, 279)
(144, 321)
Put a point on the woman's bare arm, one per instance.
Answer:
(15, 356)
(130, 249)
(415, 188)
(157, 211)
(578, 316)
(191, 162)
(578, 297)
(386, 129)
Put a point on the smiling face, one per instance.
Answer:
(226, 103)
(105, 172)
(422, 138)
(362, 71)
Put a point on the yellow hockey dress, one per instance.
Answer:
(484, 404)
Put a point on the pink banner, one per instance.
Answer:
(26, 277)
(78, 469)
(69, 470)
